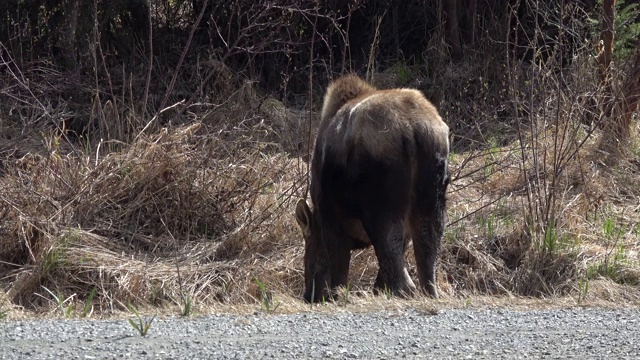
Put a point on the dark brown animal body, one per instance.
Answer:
(378, 177)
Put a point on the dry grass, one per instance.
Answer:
(203, 211)
(186, 212)
(126, 222)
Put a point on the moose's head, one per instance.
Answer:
(317, 267)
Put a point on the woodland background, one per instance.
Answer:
(151, 151)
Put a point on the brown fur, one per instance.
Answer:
(342, 91)
(357, 113)
(378, 177)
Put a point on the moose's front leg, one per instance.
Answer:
(340, 260)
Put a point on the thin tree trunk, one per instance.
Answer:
(630, 97)
(614, 134)
(396, 35)
(452, 29)
(606, 38)
(470, 35)
(68, 41)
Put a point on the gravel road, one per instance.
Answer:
(451, 334)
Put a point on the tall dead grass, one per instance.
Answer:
(125, 221)
(195, 202)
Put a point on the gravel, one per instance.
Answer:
(451, 334)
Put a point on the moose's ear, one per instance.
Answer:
(303, 216)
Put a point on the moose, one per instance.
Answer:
(378, 177)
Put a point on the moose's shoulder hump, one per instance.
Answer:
(383, 122)
(396, 105)
(341, 91)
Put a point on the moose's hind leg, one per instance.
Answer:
(392, 274)
(426, 234)
(382, 285)
(382, 197)
(427, 221)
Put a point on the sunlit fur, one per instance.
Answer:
(355, 113)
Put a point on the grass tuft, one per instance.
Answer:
(142, 325)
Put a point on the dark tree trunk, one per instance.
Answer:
(630, 97)
(452, 29)
(470, 21)
(606, 38)
(68, 36)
